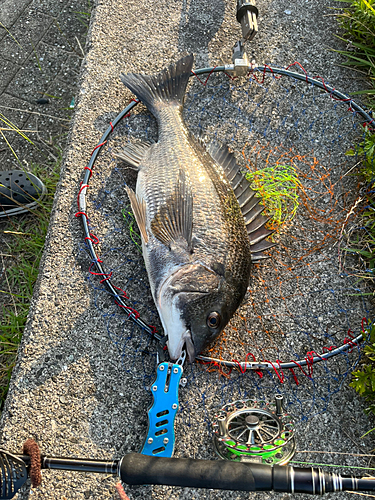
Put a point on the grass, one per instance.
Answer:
(25, 238)
(131, 223)
(362, 243)
(364, 378)
(358, 23)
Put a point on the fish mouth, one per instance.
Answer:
(175, 348)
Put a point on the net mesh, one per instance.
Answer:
(290, 137)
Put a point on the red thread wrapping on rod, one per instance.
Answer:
(277, 77)
(153, 329)
(79, 193)
(98, 146)
(280, 377)
(127, 308)
(206, 80)
(300, 367)
(296, 63)
(243, 370)
(107, 275)
(330, 348)
(122, 291)
(294, 376)
(89, 169)
(364, 320)
(79, 214)
(94, 241)
(349, 340)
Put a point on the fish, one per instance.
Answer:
(201, 224)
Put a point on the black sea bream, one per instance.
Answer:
(199, 220)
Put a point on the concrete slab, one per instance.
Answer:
(9, 69)
(10, 12)
(80, 394)
(24, 37)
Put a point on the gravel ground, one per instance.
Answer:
(79, 394)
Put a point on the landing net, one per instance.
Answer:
(290, 134)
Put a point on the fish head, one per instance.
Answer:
(195, 304)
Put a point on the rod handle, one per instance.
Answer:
(241, 476)
(142, 469)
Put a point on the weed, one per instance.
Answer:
(10, 34)
(36, 57)
(84, 16)
(363, 245)
(358, 22)
(364, 378)
(365, 150)
(134, 235)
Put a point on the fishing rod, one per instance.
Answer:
(137, 469)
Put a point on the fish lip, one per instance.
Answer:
(190, 347)
(196, 292)
(184, 340)
(181, 270)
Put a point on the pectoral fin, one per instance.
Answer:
(174, 220)
(133, 154)
(139, 210)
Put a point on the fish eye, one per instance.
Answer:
(213, 320)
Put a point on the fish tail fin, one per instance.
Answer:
(167, 86)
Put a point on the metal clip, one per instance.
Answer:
(181, 359)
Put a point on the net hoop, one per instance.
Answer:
(81, 201)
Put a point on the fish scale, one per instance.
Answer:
(156, 183)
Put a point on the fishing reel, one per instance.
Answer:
(254, 431)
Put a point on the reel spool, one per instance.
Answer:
(254, 431)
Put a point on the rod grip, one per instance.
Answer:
(142, 469)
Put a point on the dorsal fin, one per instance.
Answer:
(258, 248)
(248, 200)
